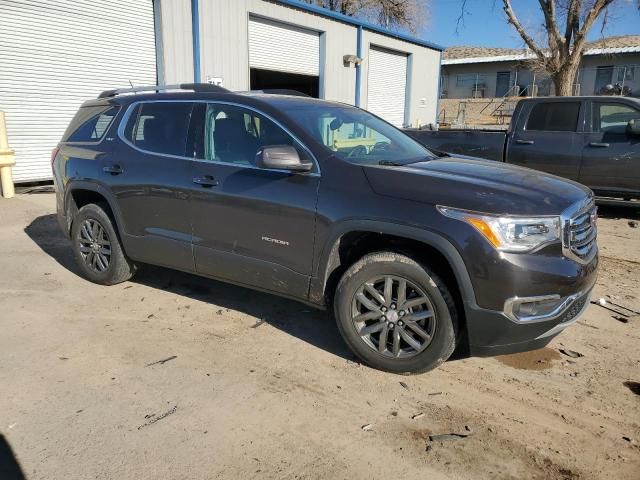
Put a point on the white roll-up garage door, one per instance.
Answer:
(387, 85)
(284, 48)
(55, 54)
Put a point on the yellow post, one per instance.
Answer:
(7, 161)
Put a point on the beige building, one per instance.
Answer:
(475, 72)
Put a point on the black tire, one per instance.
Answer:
(118, 268)
(445, 323)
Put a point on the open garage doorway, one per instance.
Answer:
(273, 80)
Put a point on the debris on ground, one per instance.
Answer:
(404, 385)
(570, 353)
(633, 224)
(153, 419)
(417, 416)
(163, 361)
(258, 323)
(445, 437)
(435, 393)
(63, 358)
(367, 427)
(622, 313)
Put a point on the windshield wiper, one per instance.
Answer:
(390, 163)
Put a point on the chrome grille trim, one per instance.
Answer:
(579, 231)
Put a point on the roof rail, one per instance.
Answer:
(196, 87)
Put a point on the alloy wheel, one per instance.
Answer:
(393, 316)
(94, 245)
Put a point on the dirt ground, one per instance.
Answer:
(255, 386)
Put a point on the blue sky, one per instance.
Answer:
(485, 23)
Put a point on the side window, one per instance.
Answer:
(160, 127)
(554, 117)
(90, 124)
(613, 117)
(234, 135)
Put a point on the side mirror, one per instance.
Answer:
(281, 157)
(633, 127)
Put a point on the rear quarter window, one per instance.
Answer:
(90, 124)
(554, 117)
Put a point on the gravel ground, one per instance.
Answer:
(176, 377)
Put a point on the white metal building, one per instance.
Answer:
(57, 53)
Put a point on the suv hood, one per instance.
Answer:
(479, 185)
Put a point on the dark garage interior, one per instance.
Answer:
(271, 79)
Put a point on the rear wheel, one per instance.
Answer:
(97, 248)
(395, 314)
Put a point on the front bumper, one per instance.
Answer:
(492, 333)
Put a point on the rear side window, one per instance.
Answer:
(90, 124)
(160, 127)
(554, 117)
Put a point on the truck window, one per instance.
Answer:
(613, 117)
(554, 117)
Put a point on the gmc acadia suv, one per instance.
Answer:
(327, 204)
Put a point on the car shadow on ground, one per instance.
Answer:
(9, 465)
(306, 323)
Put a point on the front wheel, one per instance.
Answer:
(395, 314)
(97, 248)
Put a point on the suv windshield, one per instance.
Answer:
(358, 136)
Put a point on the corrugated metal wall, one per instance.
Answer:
(422, 77)
(54, 54)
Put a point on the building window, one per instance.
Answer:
(470, 79)
(625, 73)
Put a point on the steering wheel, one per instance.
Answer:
(358, 151)
(381, 147)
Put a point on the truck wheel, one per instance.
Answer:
(97, 248)
(395, 314)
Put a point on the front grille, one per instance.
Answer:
(579, 235)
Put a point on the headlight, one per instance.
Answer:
(510, 234)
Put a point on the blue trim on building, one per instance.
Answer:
(358, 66)
(358, 23)
(195, 33)
(438, 90)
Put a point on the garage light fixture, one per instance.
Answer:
(351, 59)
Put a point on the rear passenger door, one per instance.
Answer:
(611, 157)
(150, 177)
(549, 137)
(251, 225)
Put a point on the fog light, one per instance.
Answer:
(537, 309)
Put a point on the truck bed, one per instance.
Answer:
(488, 144)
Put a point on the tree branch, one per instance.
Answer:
(581, 35)
(513, 20)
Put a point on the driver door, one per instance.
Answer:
(251, 226)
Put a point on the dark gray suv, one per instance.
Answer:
(327, 204)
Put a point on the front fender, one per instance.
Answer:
(329, 258)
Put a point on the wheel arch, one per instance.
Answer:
(351, 240)
(80, 193)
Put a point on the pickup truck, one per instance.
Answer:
(592, 140)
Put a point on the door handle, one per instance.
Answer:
(207, 181)
(525, 142)
(599, 145)
(113, 169)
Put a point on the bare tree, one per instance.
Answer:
(560, 53)
(393, 14)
